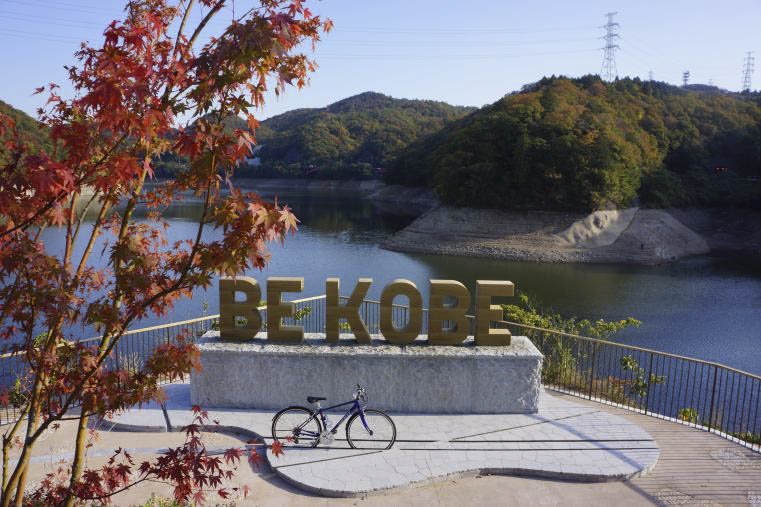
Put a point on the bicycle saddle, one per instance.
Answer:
(313, 399)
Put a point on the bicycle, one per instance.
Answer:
(302, 427)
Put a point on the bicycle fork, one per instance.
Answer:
(364, 421)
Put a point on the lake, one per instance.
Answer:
(704, 307)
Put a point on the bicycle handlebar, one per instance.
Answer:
(360, 394)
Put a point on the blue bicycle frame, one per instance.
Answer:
(356, 407)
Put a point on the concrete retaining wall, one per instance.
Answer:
(417, 378)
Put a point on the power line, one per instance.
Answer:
(437, 43)
(56, 22)
(748, 66)
(433, 39)
(48, 37)
(451, 30)
(659, 59)
(410, 56)
(609, 72)
(86, 9)
(643, 64)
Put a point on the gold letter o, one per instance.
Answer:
(408, 333)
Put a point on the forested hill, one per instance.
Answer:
(558, 144)
(578, 144)
(347, 139)
(30, 129)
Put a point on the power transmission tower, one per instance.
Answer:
(748, 65)
(609, 72)
(650, 75)
(686, 77)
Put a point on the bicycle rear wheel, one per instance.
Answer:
(380, 432)
(296, 427)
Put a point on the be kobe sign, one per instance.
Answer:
(241, 320)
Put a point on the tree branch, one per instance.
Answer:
(217, 7)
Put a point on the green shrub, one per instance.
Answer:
(689, 414)
(562, 355)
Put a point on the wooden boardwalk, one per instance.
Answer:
(695, 467)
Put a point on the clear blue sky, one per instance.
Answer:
(467, 53)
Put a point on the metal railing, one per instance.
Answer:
(703, 394)
(136, 345)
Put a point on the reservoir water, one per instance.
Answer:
(704, 307)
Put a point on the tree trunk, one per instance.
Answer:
(79, 454)
(18, 478)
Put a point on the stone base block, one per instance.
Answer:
(416, 378)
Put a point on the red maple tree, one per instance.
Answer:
(129, 94)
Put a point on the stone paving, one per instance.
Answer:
(564, 440)
(695, 467)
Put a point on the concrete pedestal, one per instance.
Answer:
(416, 378)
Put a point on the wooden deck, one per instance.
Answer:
(695, 467)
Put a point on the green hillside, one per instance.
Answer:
(578, 144)
(347, 139)
(29, 128)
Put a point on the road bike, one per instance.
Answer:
(366, 428)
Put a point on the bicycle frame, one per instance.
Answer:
(356, 407)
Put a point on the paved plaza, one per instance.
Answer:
(564, 440)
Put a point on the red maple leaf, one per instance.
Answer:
(254, 458)
(199, 497)
(277, 448)
(57, 215)
(232, 455)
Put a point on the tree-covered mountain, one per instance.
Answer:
(347, 139)
(578, 144)
(30, 129)
(558, 144)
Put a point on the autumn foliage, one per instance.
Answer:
(132, 96)
(194, 472)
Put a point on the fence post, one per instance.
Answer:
(592, 370)
(649, 377)
(713, 396)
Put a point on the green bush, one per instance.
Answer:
(562, 355)
(689, 415)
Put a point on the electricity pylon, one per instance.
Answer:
(609, 72)
(748, 65)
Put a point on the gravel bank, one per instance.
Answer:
(633, 236)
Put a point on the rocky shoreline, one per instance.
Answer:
(634, 236)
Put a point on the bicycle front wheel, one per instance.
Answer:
(296, 427)
(379, 433)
